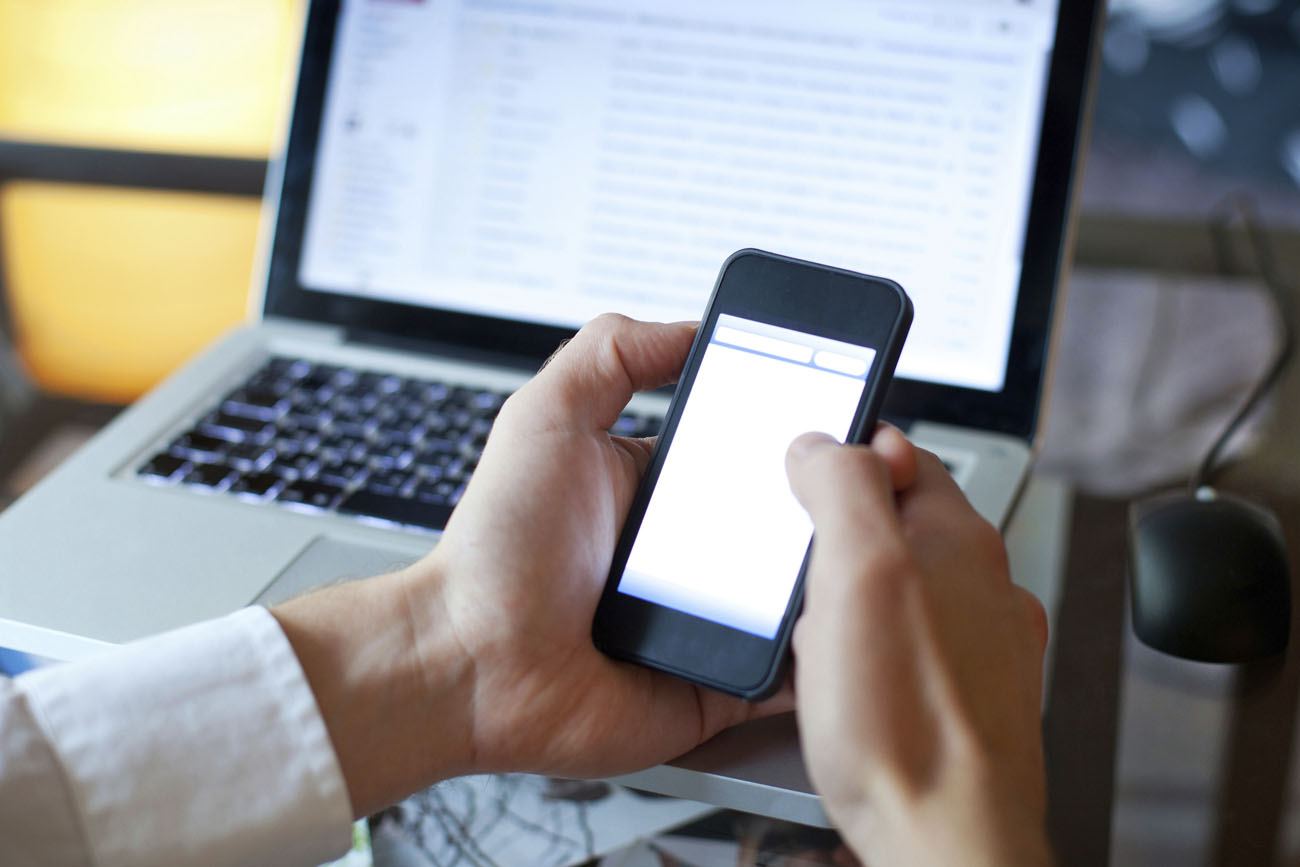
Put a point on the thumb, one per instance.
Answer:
(590, 379)
(847, 490)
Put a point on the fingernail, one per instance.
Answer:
(808, 443)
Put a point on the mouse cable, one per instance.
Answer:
(1266, 267)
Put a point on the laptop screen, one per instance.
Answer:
(484, 176)
(548, 162)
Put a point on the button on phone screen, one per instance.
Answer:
(723, 537)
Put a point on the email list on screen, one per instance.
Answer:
(552, 161)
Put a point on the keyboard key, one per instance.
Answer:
(433, 491)
(458, 470)
(321, 376)
(303, 400)
(386, 414)
(401, 430)
(347, 405)
(433, 392)
(237, 428)
(436, 446)
(163, 467)
(462, 396)
(343, 473)
(353, 428)
(208, 475)
(306, 422)
(247, 457)
(255, 484)
(396, 509)
(285, 368)
(387, 384)
(199, 446)
(255, 403)
(396, 456)
(430, 472)
(304, 466)
(488, 402)
(471, 446)
(388, 483)
(316, 494)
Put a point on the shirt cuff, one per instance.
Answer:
(202, 745)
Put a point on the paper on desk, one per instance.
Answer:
(513, 820)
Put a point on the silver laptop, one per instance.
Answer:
(465, 182)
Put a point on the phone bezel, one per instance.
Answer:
(804, 296)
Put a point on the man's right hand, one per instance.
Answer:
(918, 664)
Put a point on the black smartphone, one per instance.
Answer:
(707, 576)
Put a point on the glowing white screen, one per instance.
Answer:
(723, 537)
(549, 162)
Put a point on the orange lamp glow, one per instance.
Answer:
(111, 289)
(196, 76)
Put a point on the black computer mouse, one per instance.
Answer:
(1209, 577)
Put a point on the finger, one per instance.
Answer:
(859, 552)
(898, 454)
(589, 381)
(845, 489)
(934, 500)
(1035, 615)
(555, 352)
(718, 711)
(638, 450)
(1033, 636)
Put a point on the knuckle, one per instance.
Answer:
(600, 338)
(986, 543)
(888, 564)
(925, 456)
(604, 326)
(799, 638)
(1035, 616)
(510, 408)
(853, 463)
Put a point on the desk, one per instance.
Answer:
(1155, 760)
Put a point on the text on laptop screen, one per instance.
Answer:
(548, 162)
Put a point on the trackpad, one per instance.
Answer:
(332, 561)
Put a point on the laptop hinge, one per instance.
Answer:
(495, 358)
(285, 326)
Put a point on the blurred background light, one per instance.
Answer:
(199, 76)
(107, 289)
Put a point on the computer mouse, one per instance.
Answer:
(1209, 577)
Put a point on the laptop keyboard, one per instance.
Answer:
(321, 437)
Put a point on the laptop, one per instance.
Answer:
(465, 182)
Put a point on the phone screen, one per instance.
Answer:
(722, 536)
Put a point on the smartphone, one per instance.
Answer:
(706, 580)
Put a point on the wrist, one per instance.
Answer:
(390, 680)
(971, 817)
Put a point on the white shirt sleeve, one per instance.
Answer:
(203, 745)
